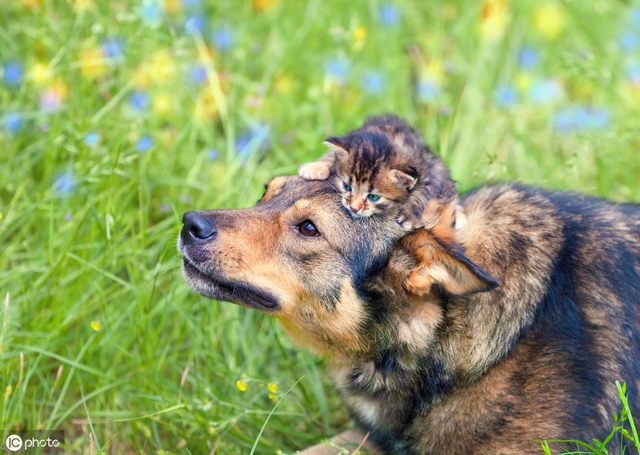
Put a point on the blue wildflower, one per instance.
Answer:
(212, 154)
(628, 41)
(91, 139)
(528, 57)
(505, 95)
(545, 91)
(581, 118)
(337, 68)
(113, 48)
(564, 121)
(223, 38)
(139, 99)
(249, 144)
(195, 23)
(428, 90)
(65, 183)
(144, 144)
(242, 144)
(389, 14)
(635, 15)
(198, 74)
(599, 119)
(633, 72)
(374, 82)
(12, 122)
(13, 73)
(151, 13)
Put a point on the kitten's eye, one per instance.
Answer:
(307, 228)
(347, 186)
(373, 197)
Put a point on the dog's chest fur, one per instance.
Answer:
(388, 396)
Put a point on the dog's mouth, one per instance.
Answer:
(235, 292)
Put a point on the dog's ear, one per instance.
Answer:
(442, 262)
(340, 144)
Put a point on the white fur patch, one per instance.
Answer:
(367, 410)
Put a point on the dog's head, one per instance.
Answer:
(334, 281)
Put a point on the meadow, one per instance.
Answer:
(118, 116)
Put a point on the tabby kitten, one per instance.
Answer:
(381, 167)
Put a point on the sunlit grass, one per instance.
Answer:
(116, 117)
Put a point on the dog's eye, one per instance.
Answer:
(308, 229)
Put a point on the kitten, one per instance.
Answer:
(384, 166)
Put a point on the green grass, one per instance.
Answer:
(88, 227)
(624, 431)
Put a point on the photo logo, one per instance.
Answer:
(33, 441)
(13, 443)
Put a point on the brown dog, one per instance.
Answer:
(429, 355)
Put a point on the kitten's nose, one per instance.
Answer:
(355, 206)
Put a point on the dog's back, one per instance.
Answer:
(538, 357)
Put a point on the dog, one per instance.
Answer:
(472, 339)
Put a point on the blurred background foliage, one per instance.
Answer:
(117, 116)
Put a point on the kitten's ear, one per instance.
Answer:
(404, 178)
(338, 143)
(442, 262)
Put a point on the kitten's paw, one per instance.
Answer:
(314, 171)
(407, 222)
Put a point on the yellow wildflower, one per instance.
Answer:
(549, 19)
(272, 387)
(212, 430)
(241, 385)
(39, 73)
(206, 107)
(360, 33)
(433, 71)
(172, 6)
(158, 69)
(82, 5)
(495, 16)
(162, 103)
(283, 83)
(161, 66)
(273, 398)
(261, 5)
(524, 81)
(95, 325)
(92, 62)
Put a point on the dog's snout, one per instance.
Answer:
(197, 228)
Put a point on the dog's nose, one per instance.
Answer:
(197, 228)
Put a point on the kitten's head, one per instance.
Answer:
(369, 173)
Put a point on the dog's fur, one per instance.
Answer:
(425, 361)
